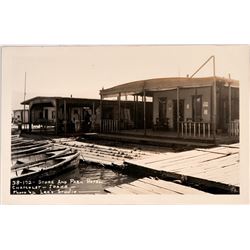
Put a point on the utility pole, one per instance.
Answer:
(24, 100)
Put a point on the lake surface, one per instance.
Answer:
(92, 179)
(85, 179)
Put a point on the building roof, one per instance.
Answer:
(52, 99)
(161, 84)
(41, 99)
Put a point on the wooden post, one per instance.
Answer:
(101, 98)
(229, 108)
(65, 116)
(178, 110)
(93, 108)
(144, 111)
(30, 119)
(119, 111)
(23, 117)
(56, 124)
(134, 111)
(214, 102)
(214, 109)
(195, 105)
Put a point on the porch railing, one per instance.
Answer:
(109, 126)
(234, 128)
(195, 129)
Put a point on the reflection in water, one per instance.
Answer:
(91, 179)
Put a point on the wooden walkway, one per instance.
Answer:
(215, 168)
(153, 187)
(104, 155)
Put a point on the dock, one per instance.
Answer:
(212, 168)
(153, 186)
(104, 155)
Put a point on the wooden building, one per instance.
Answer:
(65, 115)
(186, 107)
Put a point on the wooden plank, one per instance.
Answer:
(134, 189)
(205, 166)
(219, 175)
(220, 171)
(221, 150)
(164, 161)
(178, 188)
(188, 162)
(234, 145)
(149, 188)
(153, 188)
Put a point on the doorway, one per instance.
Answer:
(162, 110)
(46, 114)
(197, 108)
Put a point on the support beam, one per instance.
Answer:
(136, 115)
(24, 122)
(195, 105)
(214, 102)
(119, 111)
(101, 98)
(30, 119)
(214, 110)
(144, 111)
(65, 116)
(56, 125)
(93, 108)
(229, 108)
(178, 110)
(134, 112)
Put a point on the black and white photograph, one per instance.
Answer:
(124, 124)
(124, 120)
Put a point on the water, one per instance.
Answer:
(92, 179)
(86, 179)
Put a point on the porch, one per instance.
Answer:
(159, 137)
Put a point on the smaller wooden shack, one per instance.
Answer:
(66, 115)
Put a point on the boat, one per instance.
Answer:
(43, 155)
(21, 141)
(47, 169)
(18, 153)
(27, 146)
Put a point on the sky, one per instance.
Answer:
(81, 71)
